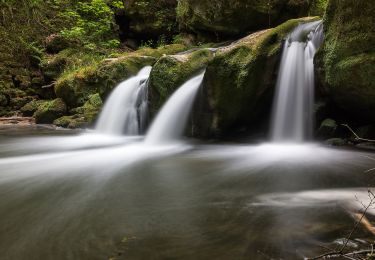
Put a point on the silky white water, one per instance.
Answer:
(125, 111)
(292, 119)
(170, 122)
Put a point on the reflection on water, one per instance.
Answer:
(92, 197)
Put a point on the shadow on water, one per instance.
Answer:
(133, 201)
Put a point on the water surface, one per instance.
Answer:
(64, 195)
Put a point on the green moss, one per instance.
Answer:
(30, 108)
(217, 19)
(162, 50)
(76, 83)
(75, 86)
(172, 71)
(82, 116)
(240, 79)
(347, 58)
(48, 111)
(151, 19)
(71, 122)
(318, 7)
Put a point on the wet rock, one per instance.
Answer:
(336, 142)
(82, 116)
(102, 76)
(238, 86)
(30, 108)
(346, 62)
(171, 71)
(48, 111)
(327, 128)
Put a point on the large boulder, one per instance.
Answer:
(346, 62)
(82, 116)
(222, 19)
(48, 111)
(171, 71)
(239, 82)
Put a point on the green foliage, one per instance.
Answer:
(92, 23)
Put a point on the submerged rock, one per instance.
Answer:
(346, 63)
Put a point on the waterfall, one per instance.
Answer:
(171, 121)
(125, 111)
(292, 119)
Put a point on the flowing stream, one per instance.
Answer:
(170, 123)
(125, 111)
(67, 195)
(294, 99)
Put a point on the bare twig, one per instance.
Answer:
(50, 85)
(350, 255)
(372, 198)
(356, 137)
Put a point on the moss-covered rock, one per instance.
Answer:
(145, 20)
(82, 116)
(346, 63)
(327, 128)
(74, 121)
(239, 82)
(48, 111)
(30, 108)
(3, 100)
(171, 71)
(336, 142)
(220, 18)
(74, 86)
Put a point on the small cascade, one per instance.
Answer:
(170, 123)
(125, 111)
(292, 119)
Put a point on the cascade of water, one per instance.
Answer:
(171, 121)
(125, 111)
(292, 119)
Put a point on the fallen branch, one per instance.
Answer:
(338, 254)
(356, 137)
(50, 85)
(349, 255)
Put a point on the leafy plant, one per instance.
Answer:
(92, 22)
